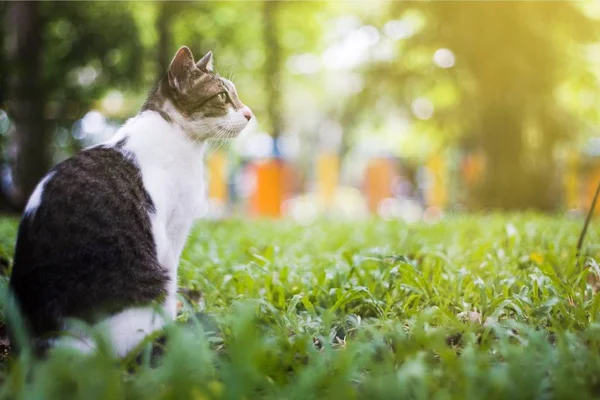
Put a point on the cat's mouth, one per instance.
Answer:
(234, 134)
(225, 133)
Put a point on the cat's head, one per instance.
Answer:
(204, 104)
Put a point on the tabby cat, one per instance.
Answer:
(101, 235)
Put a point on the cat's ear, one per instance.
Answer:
(206, 63)
(181, 68)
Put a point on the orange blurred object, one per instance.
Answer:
(268, 195)
(593, 178)
(472, 168)
(378, 182)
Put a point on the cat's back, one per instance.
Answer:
(85, 241)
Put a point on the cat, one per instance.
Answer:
(102, 233)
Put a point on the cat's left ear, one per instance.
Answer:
(206, 63)
(181, 69)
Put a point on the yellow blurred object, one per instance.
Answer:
(328, 167)
(217, 182)
(268, 195)
(537, 258)
(437, 192)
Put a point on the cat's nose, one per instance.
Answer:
(247, 112)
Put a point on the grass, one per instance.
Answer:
(470, 307)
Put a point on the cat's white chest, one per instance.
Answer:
(191, 197)
(186, 203)
(173, 175)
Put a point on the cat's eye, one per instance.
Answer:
(222, 96)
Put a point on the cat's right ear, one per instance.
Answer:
(181, 69)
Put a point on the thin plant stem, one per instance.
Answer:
(587, 221)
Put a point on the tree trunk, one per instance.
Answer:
(510, 183)
(3, 66)
(4, 201)
(166, 13)
(29, 146)
(272, 76)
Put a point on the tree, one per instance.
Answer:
(62, 57)
(168, 11)
(517, 54)
(30, 138)
(510, 59)
(4, 200)
(272, 74)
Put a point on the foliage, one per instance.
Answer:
(468, 307)
(500, 95)
(521, 88)
(83, 56)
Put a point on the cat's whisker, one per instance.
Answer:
(220, 137)
(226, 139)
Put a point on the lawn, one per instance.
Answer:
(470, 307)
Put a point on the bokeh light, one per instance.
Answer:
(443, 58)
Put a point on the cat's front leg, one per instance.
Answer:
(168, 260)
(170, 304)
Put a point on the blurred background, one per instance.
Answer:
(401, 109)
